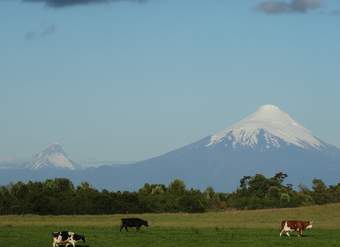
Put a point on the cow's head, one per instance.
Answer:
(55, 234)
(145, 223)
(310, 225)
(78, 237)
(83, 238)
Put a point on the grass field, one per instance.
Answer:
(258, 228)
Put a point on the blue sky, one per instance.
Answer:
(127, 81)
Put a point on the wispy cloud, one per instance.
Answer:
(69, 3)
(44, 30)
(335, 12)
(48, 30)
(30, 35)
(291, 6)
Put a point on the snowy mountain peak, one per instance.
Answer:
(269, 108)
(272, 114)
(55, 147)
(53, 156)
(272, 127)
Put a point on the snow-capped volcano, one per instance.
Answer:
(53, 156)
(267, 141)
(269, 127)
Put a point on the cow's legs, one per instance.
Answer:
(137, 228)
(126, 228)
(54, 244)
(287, 233)
(121, 227)
(73, 243)
(282, 232)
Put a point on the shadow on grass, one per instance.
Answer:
(297, 236)
(77, 245)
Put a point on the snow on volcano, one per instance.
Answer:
(53, 156)
(273, 125)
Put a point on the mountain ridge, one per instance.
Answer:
(267, 141)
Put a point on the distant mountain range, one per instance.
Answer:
(267, 141)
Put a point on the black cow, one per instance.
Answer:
(133, 222)
(66, 238)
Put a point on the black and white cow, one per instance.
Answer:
(66, 238)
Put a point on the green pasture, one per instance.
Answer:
(230, 228)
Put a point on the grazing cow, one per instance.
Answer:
(66, 238)
(133, 222)
(295, 225)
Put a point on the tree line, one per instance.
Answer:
(60, 196)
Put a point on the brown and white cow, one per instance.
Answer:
(295, 225)
(66, 238)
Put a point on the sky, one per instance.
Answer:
(128, 80)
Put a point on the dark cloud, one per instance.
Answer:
(44, 30)
(68, 3)
(291, 6)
